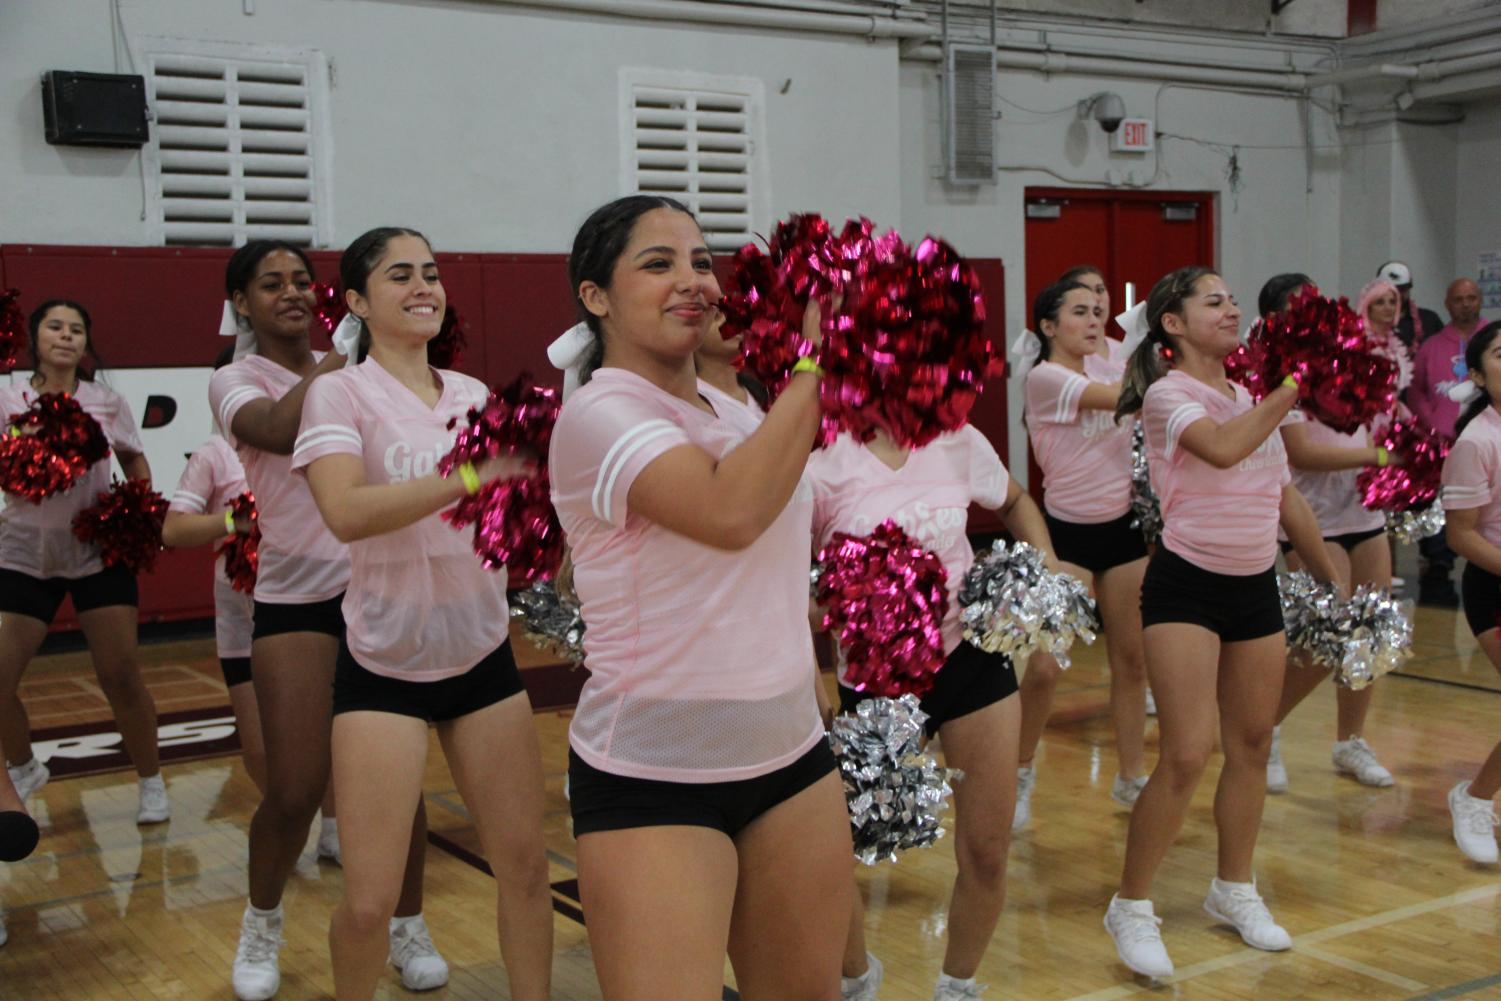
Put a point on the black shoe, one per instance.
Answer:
(1438, 591)
(18, 835)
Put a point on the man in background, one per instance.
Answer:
(1414, 323)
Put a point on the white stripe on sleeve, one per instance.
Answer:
(1181, 418)
(625, 446)
(189, 497)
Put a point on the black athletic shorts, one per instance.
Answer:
(274, 618)
(236, 670)
(1348, 541)
(1097, 547)
(602, 801)
(1480, 590)
(968, 681)
(1234, 607)
(492, 680)
(40, 597)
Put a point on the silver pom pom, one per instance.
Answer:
(550, 621)
(1013, 604)
(1410, 526)
(1144, 503)
(896, 791)
(1359, 640)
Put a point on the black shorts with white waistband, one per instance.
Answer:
(969, 680)
(274, 618)
(492, 680)
(1480, 593)
(1234, 607)
(1097, 547)
(603, 801)
(1346, 540)
(40, 597)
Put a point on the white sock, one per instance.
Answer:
(399, 924)
(944, 980)
(1225, 884)
(329, 828)
(154, 780)
(273, 915)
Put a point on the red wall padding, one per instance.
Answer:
(159, 307)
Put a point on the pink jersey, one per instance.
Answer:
(719, 399)
(1084, 454)
(1332, 494)
(1472, 473)
(700, 660)
(300, 560)
(419, 606)
(928, 497)
(38, 539)
(212, 478)
(1222, 520)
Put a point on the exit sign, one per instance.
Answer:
(1135, 135)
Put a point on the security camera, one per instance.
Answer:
(1106, 107)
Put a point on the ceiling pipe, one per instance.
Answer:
(1054, 61)
(1356, 74)
(862, 25)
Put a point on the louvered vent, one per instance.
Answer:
(234, 151)
(697, 146)
(969, 106)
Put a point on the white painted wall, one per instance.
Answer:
(1477, 193)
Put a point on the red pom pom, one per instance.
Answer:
(885, 597)
(125, 525)
(514, 522)
(1415, 483)
(1344, 380)
(48, 446)
(446, 349)
(904, 352)
(13, 334)
(328, 306)
(241, 551)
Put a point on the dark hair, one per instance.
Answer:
(1145, 366)
(34, 324)
(1475, 350)
(240, 270)
(360, 259)
(1274, 294)
(1078, 271)
(225, 356)
(597, 246)
(1046, 306)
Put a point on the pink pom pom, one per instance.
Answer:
(13, 333)
(886, 597)
(1415, 483)
(125, 525)
(446, 349)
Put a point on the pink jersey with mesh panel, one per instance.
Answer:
(700, 659)
(212, 478)
(300, 560)
(38, 539)
(419, 607)
(1333, 494)
(1085, 455)
(1472, 473)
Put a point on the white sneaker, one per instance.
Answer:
(1151, 704)
(1125, 791)
(951, 989)
(1474, 824)
(1138, 941)
(1276, 771)
(29, 778)
(1026, 781)
(256, 975)
(865, 986)
(1239, 904)
(413, 953)
(1355, 757)
(328, 842)
(154, 808)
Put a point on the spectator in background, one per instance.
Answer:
(1414, 324)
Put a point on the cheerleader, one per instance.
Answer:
(708, 810)
(973, 705)
(427, 639)
(1085, 456)
(1210, 608)
(1472, 509)
(297, 622)
(42, 562)
(1325, 464)
(717, 374)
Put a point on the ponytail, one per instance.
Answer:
(1474, 357)
(1146, 364)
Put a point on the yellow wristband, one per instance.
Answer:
(229, 522)
(807, 364)
(1291, 380)
(470, 477)
(1383, 457)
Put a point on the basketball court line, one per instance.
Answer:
(1444, 993)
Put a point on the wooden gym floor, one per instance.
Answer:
(1380, 903)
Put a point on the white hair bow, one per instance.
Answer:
(232, 324)
(1464, 391)
(1134, 322)
(1026, 349)
(347, 339)
(568, 353)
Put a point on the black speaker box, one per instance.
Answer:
(94, 109)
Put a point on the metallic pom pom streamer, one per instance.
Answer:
(1408, 492)
(48, 446)
(896, 791)
(1359, 639)
(125, 525)
(1410, 526)
(1144, 503)
(13, 333)
(328, 306)
(554, 624)
(1014, 605)
(241, 552)
(446, 350)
